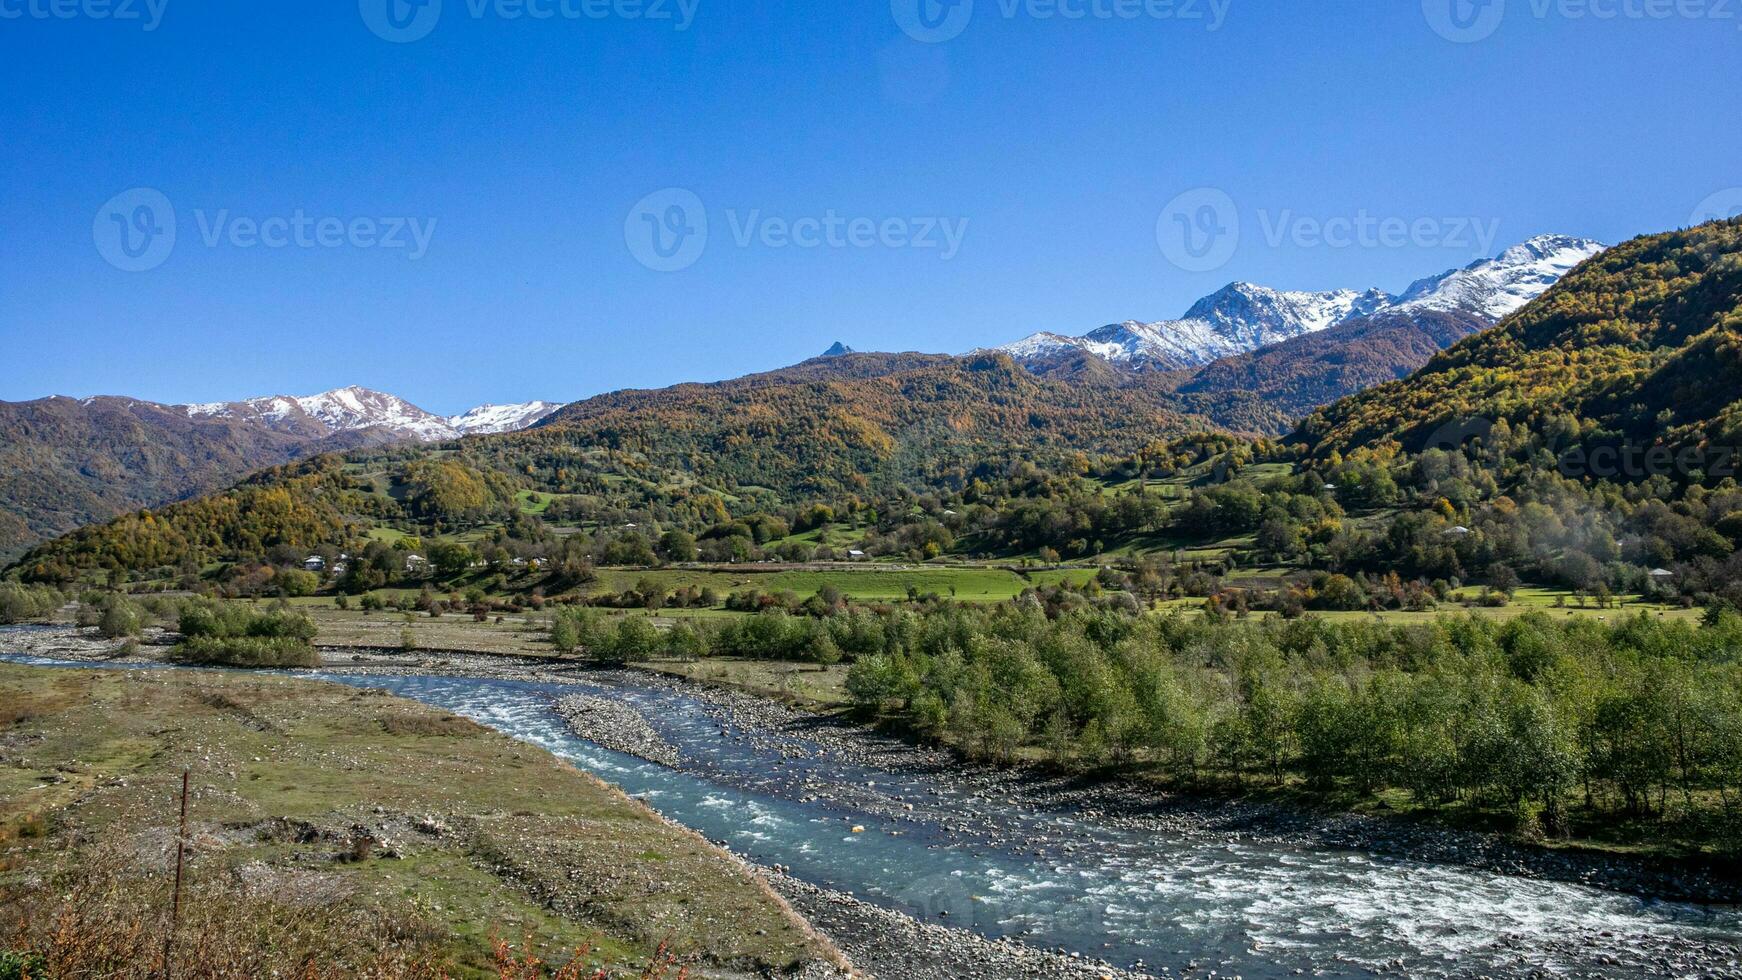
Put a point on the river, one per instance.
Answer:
(1196, 902)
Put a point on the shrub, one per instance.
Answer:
(248, 651)
(235, 635)
(119, 617)
(23, 603)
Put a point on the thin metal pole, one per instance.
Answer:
(180, 850)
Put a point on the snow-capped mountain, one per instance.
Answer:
(487, 419)
(354, 409)
(1497, 288)
(1243, 317)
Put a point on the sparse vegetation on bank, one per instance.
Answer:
(338, 833)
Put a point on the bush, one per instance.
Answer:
(119, 617)
(235, 635)
(23, 603)
(22, 966)
(205, 618)
(248, 651)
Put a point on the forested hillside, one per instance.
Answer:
(1270, 390)
(863, 422)
(917, 457)
(66, 463)
(1639, 344)
(1590, 438)
(848, 431)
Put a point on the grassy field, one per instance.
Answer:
(865, 582)
(332, 824)
(820, 688)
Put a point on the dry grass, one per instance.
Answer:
(337, 832)
(428, 725)
(101, 916)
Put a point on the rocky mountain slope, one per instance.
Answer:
(68, 462)
(1244, 317)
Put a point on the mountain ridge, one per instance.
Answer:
(1243, 317)
(66, 462)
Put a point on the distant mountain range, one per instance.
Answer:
(355, 409)
(1243, 317)
(1247, 359)
(66, 462)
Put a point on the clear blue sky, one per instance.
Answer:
(529, 142)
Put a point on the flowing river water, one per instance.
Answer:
(1198, 902)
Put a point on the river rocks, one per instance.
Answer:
(616, 726)
(894, 946)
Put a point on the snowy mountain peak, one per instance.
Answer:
(356, 408)
(1243, 317)
(1255, 315)
(1498, 287)
(487, 419)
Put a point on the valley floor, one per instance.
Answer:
(890, 944)
(346, 827)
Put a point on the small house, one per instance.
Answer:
(314, 563)
(416, 563)
(1457, 532)
(856, 555)
(1661, 574)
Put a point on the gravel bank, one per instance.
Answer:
(1139, 806)
(896, 947)
(618, 727)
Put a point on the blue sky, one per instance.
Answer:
(1004, 180)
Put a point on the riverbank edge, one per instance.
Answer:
(1141, 804)
(1115, 799)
